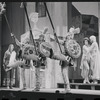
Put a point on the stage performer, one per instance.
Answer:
(53, 55)
(25, 49)
(6, 61)
(26, 56)
(72, 62)
(65, 58)
(59, 56)
(95, 59)
(85, 61)
(27, 53)
(36, 32)
(69, 36)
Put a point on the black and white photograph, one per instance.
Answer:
(49, 50)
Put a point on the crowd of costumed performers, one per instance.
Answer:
(33, 49)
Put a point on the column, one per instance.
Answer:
(99, 21)
(0, 45)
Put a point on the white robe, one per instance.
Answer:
(95, 60)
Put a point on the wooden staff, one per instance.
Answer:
(3, 11)
(30, 29)
(55, 38)
(53, 27)
(37, 62)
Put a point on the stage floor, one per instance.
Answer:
(58, 90)
(48, 94)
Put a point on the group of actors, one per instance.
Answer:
(23, 58)
(90, 62)
(26, 56)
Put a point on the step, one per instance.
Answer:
(90, 86)
(80, 80)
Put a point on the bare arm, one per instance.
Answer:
(17, 42)
(91, 47)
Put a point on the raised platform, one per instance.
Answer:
(78, 84)
(48, 94)
(81, 86)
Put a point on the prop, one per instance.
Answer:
(73, 48)
(2, 11)
(28, 52)
(24, 6)
(53, 27)
(54, 33)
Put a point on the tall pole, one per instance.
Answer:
(30, 29)
(37, 66)
(53, 27)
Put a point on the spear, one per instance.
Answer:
(52, 26)
(23, 5)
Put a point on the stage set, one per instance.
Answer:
(49, 51)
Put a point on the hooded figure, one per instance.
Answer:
(95, 59)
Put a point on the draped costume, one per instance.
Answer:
(95, 60)
(85, 61)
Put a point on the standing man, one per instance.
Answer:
(66, 60)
